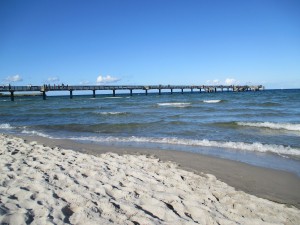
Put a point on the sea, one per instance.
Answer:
(259, 128)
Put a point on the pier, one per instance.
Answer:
(131, 88)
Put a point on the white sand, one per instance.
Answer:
(41, 185)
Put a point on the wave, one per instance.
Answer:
(175, 104)
(37, 133)
(6, 126)
(212, 101)
(277, 126)
(254, 147)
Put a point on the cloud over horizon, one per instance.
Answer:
(14, 78)
(231, 81)
(106, 79)
(227, 81)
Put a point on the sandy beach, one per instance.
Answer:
(46, 182)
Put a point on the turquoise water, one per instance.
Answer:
(260, 128)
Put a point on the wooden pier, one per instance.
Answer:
(180, 88)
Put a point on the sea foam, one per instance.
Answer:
(212, 101)
(277, 126)
(6, 126)
(254, 147)
(36, 133)
(175, 104)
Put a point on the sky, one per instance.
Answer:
(150, 42)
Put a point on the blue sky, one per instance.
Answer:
(150, 42)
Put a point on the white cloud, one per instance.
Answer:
(15, 78)
(227, 81)
(216, 81)
(106, 79)
(53, 79)
(231, 81)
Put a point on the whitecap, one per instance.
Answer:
(241, 146)
(33, 132)
(270, 125)
(6, 126)
(175, 104)
(212, 101)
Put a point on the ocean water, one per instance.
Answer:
(259, 128)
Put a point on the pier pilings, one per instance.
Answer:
(44, 95)
(12, 97)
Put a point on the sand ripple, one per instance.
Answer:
(43, 185)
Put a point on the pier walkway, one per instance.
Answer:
(200, 88)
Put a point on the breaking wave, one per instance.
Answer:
(254, 147)
(212, 101)
(36, 133)
(175, 104)
(6, 126)
(277, 126)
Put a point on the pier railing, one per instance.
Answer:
(201, 88)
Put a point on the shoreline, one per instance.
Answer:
(275, 185)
